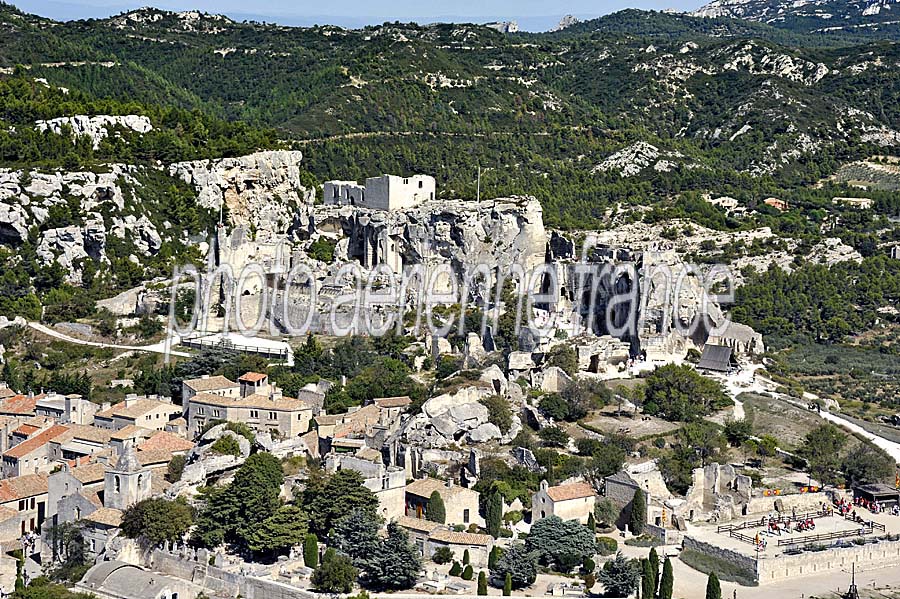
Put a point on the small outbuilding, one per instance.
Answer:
(717, 358)
(884, 495)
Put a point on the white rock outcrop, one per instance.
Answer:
(96, 127)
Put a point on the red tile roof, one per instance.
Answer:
(252, 377)
(19, 404)
(167, 441)
(26, 447)
(570, 491)
(20, 487)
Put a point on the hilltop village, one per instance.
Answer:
(567, 460)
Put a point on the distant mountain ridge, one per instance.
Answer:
(819, 16)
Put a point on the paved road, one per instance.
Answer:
(163, 347)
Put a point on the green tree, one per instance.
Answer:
(175, 468)
(507, 584)
(647, 582)
(494, 514)
(679, 393)
(468, 573)
(397, 564)
(356, 535)
(822, 452)
(311, 551)
(606, 512)
(561, 543)
(435, 511)
(482, 583)
(620, 576)
(653, 560)
(335, 574)
(667, 584)
(466, 558)
(442, 555)
(334, 496)
(226, 445)
(638, 517)
(554, 436)
(280, 531)
(592, 522)
(519, 564)
(499, 412)
(867, 463)
(455, 569)
(738, 431)
(157, 520)
(564, 357)
(493, 556)
(713, 588)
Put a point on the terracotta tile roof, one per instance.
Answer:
(26, 430)
(460, 538)
(20, 487)
(154, 457)
(89, 473)
(85, 432)
(570, 491)
(369, 454)
(426, 486)
(8, 513)
(106, 516)
(131, 431)
(19, 404)
(252, 377)
(139, 407)
(255, 401)
(7, 392)
(39, 440)
(180, 421)
(93, 496)
(211, 383)
(417, 524)
(393, 402)
(166, 441)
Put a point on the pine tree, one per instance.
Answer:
(507, 585)
(466, 558)
(638, 513)
(654, 568)
(435, 511)
(311, 551)
(667, 583)
(494, 514)
(482, 583)
(713, 589)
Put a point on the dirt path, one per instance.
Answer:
(163, 347)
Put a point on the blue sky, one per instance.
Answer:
(530, 14)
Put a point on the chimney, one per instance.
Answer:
(204, 377)
(276, 393)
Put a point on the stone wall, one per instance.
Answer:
(802, 502)
(742, 561)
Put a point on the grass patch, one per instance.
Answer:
(644, 541)
(724, 569)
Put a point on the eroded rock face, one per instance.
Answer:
(97, 127)
(492, 232)
(262, 191)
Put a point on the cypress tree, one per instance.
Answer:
(482, 583)
(713, 589)
(493, 556)
(311, 551)
(494, 514)
(638, 513)
(466, 558)
(468, 573)
(455, 569)
(507, 585)
(435, 510)
(646, 580)
(654, 568)
(592, 522)
(667, 583)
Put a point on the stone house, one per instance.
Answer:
(388, 483)
(210, 385)
(387, 192)
(260, 406)
(146, 412)
(23, 504)
(19, 405)
(79, 442)
(66, 409)
(32, 455)
(429, 536)
(460, 504)
(99, 527)
(572, 501)
(75, 492)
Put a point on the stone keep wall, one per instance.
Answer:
(802, 502)
(733, 557)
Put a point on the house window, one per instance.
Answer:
(217, 413)
(465, 516)
(117, 484)
(78, 513)
(21, 505)
(32, 503)
(254, 413)
(200, 411)
(93, 544)
(273, 416)
(420, 185)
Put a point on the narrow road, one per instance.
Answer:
(163, 347)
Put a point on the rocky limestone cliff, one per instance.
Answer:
(262, 191)
(96, 127)
(493, 232)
